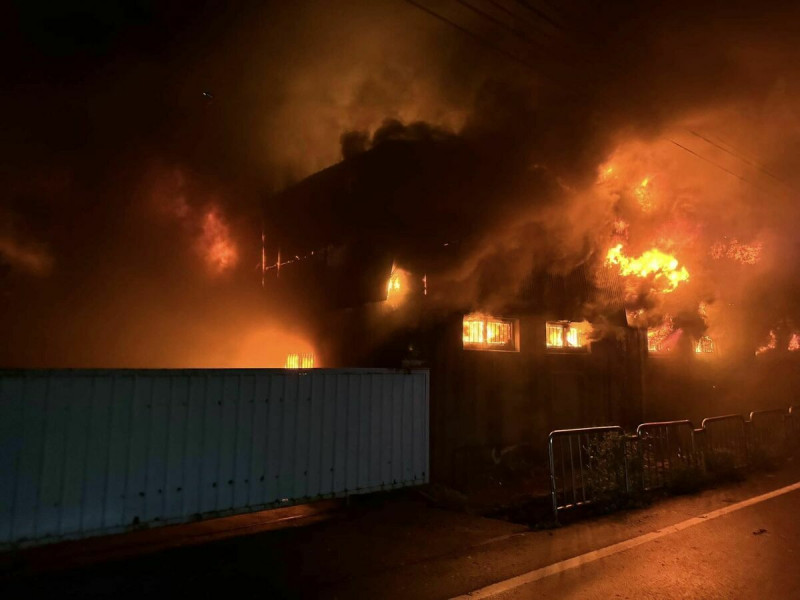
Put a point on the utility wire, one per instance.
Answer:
(516, 32)
(738, 155)
(483, 41)
(480, 39)
(539, 13)
(514, 15)
(719, 166)
(525, 63)
(742, 158)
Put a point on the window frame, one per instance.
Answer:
(511, 346)
(565, 327)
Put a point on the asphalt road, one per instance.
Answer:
(400, 547)
(748, 553)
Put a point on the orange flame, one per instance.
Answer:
(705, 345)
(657, 337)
(663, 267)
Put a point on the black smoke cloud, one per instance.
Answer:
(241, 101)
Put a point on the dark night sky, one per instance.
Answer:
(129, 224)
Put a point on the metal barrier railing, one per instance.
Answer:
(726, 442)
(699, 436)
(602, 463)
(586, 466)
(768, 433)
(667, 450)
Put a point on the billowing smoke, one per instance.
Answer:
(141, 142)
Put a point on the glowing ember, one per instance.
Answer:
(794, 343)
(772, 342)
(746, 254)
(662, 267)
(302, 360)
(218, 249)
(644, 195)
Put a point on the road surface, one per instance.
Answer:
(731, 542)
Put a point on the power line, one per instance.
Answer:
(742, 158)
(498, 22)
(525, 63)
(539, 13)
(717, 165)
(514, 15)
(483, 41)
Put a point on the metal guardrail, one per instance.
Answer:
(768, 432)
(586, 466)
(726, 442)
(667, 450)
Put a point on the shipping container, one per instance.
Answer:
(91, 452)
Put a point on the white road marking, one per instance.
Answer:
(589, 557)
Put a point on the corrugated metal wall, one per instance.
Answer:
(90, 452)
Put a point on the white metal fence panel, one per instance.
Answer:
(91, 452)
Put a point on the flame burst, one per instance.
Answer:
(664, 268)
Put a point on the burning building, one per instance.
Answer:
(386, 287)
(403, 262)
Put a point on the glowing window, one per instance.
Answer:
(567, 334)
(663, 338)
(302, 360)
(705, 345)
(482, 332)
